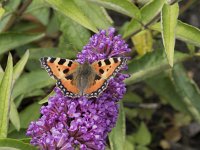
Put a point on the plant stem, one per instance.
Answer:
(17, 14)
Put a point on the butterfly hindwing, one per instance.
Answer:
(104, 69)
(66, 85)
(97, 87)
(62, 70)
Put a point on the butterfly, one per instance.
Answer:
(76, 80)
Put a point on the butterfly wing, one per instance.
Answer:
(104, 69)
(62, 70)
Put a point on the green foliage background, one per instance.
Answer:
(30, 29)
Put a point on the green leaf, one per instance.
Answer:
(25, 140)
(9, 41)
(129, 146)
(27, 115)
(117, 136)
(164, 87)
(19, 67)
(141, 147)
(73, 33)
(143, 42)
(188, 33)
(10, 8)
(12, 144)
(184, 32)
(1, 74)
(2, 11)
(168, 21)
(18, 134)
(124, 7)
(44, 100)
(24, 86)
(188, 90)
(70, 9)
(37, 53)
(148, 13)
(143, 136)
(150, 65)
(39, 9)
(96, 14)
(14, 116)
(5, 93)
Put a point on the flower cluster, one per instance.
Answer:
(68, 123)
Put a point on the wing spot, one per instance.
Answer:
(69, 77)
(52, 60)
(107, 61)
(61, 61)
(99, 63)
(101, 71)
(97, 77)
(66, 71)
(70, 63)
(115, 60)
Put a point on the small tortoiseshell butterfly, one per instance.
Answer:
(75, 79)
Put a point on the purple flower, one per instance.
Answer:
(68, 123)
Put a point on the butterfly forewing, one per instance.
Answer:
(107, 68)
(104, 69)
(62, 70)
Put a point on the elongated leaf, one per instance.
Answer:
(14, 115)
(24, 85)
(73, 33)
(124, 7)
(169, 21)
(10, 7)
(19, 67)
(9, 41)
(117, 136)
(5, 93)
(37, 53)
(143, 136)
(143, 42)
(39, 9)
(18, 134)
(44, 100)
(148, 13)
(70, 9)
(164, 87)
(27, 115)
(188, 90)
(1, 76)
(151, 64)
(2, 11)
(129, 145)
(96, 14)
(184, 32)
(12, 144)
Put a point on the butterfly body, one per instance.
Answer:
(75, 79)
(83, 77)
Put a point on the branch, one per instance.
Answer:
(16, 15)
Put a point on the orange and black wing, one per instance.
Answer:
(104, 69)
(62, 70)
